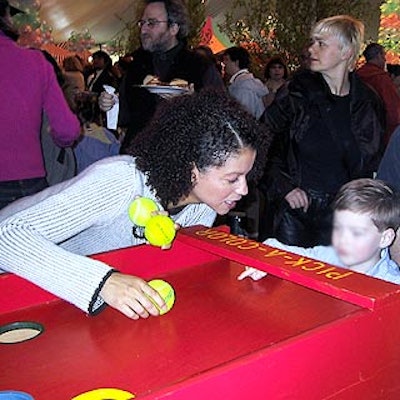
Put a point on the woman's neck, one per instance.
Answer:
(339, 84)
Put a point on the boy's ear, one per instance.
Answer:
(387, 237)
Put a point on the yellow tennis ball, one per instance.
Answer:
(166, 291)
(140, 210)
(160, 230)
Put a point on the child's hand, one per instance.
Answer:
(252, 273)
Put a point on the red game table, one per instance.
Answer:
(307, 331)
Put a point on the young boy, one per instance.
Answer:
(366, 218)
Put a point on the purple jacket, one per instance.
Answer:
(28, 86)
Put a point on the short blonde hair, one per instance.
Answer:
(348, 30)
(372, 197)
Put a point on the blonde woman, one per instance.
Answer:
(328, 131)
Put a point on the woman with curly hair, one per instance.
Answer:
(194, 160)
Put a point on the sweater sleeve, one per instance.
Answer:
(196, 214)
(30, 240)
(65, 125)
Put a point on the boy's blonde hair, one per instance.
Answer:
(372, 197)
(348, 30)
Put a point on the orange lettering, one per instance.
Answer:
(338, 275)
(275, 253)
(299, 263)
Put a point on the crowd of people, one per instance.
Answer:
(318, 150)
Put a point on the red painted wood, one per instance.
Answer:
(146, 261)
(351, 286)
(223, 339)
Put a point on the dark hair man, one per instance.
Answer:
(164, 26)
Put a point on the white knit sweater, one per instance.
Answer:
(46, 243)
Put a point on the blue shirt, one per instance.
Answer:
(385, 268)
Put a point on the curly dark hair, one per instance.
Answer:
(201, 129)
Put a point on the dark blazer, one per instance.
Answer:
(105, 78)
(137, 105)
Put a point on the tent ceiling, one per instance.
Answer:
(105, 19)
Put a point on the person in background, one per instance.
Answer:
(243, 86)
(394, 72)
(327, 131)
(366, 218)
(276, 74)
(120, 67)
(389, 171)
(373, 73)
(207, 53)
(163, 55)
(194, 159)
(249, 92)
(59, 162)
(101, 75)
(29, 88)
(389, 167)
(74, 80)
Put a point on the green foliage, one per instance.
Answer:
(197, 17)
(254, 30)
(282, 27)
(389, 33)
(132, 33)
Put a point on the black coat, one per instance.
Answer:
(137, 105)
(289, 119)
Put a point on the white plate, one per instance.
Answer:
(165, 91)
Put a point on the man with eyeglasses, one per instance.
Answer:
(164, 27)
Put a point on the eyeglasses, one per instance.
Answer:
(151, 23)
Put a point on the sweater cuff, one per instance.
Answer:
(97, 304)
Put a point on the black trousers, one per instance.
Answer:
(305, 229)
(13, 190)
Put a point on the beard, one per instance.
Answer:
(155, 45)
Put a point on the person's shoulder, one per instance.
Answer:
(196, 214)
(390, 272)
(364, 92)
(189, 56)
(140, 53)
(141, 59)
(308, 85)
(29, 55)
(253, 84)
(114, 163)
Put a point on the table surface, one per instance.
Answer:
(216, 321)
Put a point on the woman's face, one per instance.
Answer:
(222, 187)
(276, 72)
(326, 54)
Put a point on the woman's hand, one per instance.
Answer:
(176, 226)
(298, 198)
(131, 296)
